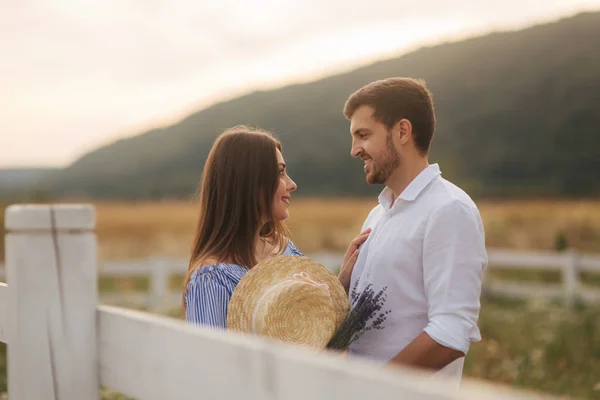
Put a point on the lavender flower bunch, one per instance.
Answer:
(365, 315)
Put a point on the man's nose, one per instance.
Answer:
(355, 150)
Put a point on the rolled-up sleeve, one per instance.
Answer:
(454, 259)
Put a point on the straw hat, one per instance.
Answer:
(291, 299)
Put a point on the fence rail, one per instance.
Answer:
(161, 296)
(63, 345)
(569, 263)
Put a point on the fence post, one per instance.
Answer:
(159, 285)
(52, 299)
(570, 272)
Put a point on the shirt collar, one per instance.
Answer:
(414, 188)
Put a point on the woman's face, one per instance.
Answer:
(281, 202)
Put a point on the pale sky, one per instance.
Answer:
(77, 74)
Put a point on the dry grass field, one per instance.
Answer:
(137, 230)
(142, 229)
(131, 230)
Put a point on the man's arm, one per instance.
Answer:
(426, 353)
(454, 258)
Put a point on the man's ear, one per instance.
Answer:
(403, 130)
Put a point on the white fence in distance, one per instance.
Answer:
(161, 296)
(63, 345)
(570, 264)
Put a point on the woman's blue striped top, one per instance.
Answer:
(208, 292)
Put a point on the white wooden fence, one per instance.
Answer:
(569, 264)
(63, 345)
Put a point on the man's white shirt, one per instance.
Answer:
(427, 252)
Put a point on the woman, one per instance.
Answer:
(244, 198)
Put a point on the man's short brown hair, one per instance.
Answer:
(394, 99)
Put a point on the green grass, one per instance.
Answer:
(121, 284)
(135, 284)
(589, 278)
(538, 345)
(541, 276)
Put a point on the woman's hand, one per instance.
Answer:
(350, 258)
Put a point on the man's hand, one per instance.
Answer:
(350, 259)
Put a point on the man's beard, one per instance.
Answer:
(390, 160)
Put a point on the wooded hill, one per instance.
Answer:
(518, 114)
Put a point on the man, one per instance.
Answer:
(426, 248)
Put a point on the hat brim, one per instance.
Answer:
(269, 273)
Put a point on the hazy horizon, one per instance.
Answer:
(115, 70)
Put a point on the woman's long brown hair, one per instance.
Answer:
(238, 184)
